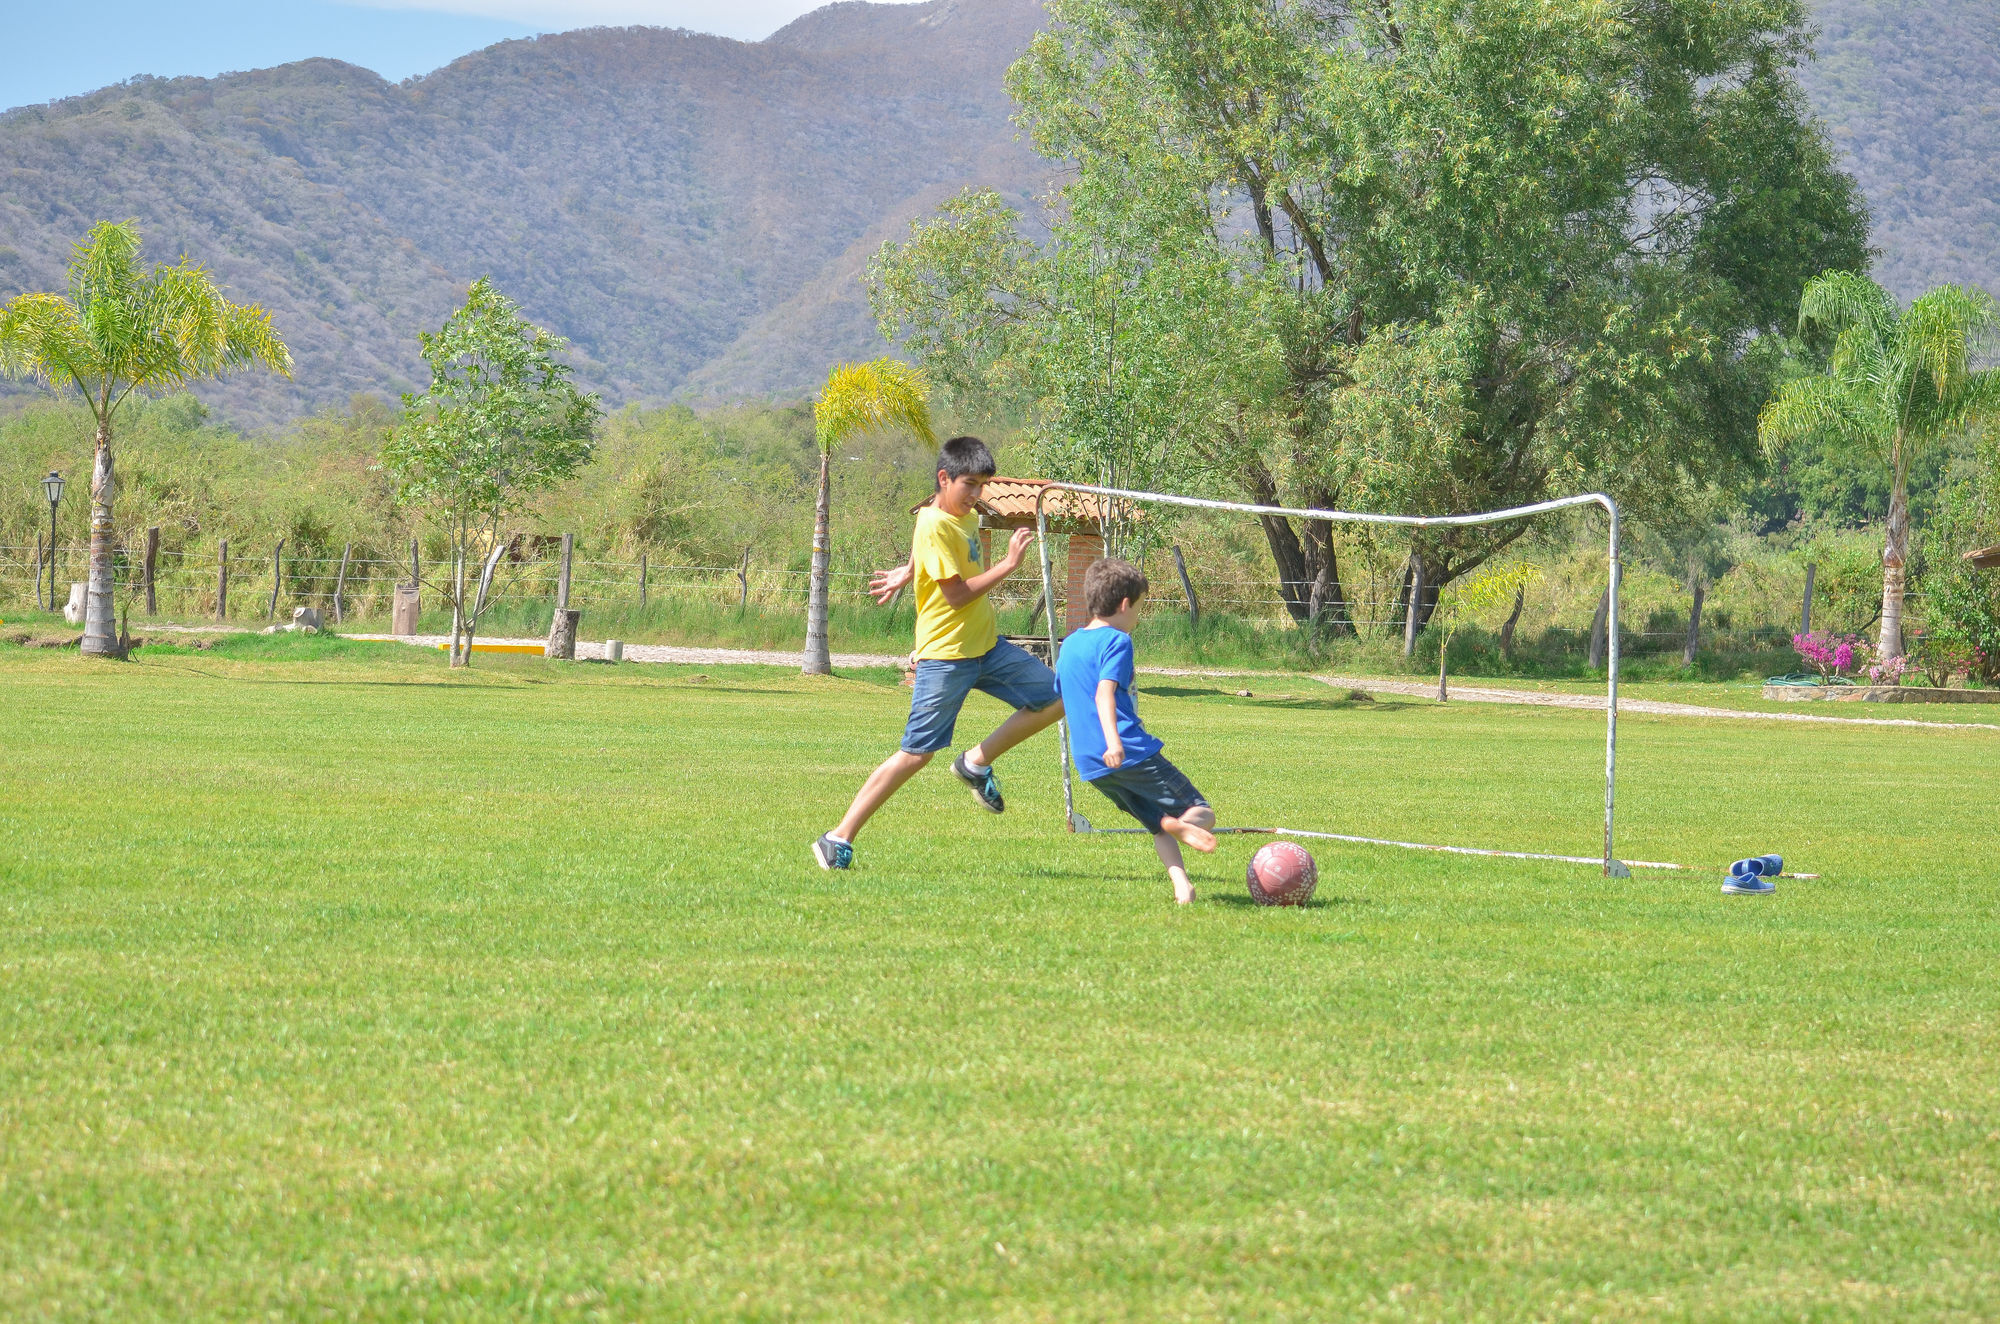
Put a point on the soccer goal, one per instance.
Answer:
(1612, 865)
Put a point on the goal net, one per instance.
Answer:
(1110, 497)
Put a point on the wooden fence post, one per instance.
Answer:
(1414, 604)
(222, 583)
(340, 584)
(152, 560)
(642, 581)
(562, 575)
(743, 583)
(1194, 608)
(1805, 608)
(277, 578)
(1597, 630)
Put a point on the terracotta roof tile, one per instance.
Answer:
(1010, 503)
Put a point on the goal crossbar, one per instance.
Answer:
(1613, 867)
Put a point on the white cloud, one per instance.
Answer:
(748, 19)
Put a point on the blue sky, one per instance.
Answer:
(50, 50)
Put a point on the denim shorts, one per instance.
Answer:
(1150, 790)
(1007, 671)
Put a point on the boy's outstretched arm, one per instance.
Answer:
(959, 591)
(1107, 718)
(885, 584)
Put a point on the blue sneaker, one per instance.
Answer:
(1748, 885)
(985, 786)
(832, 854)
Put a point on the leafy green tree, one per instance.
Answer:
(500, 422)
(1961, 602)
(857, 398)
(1486, 593)
(1427, 254)
(1896, 384)
(119, 330)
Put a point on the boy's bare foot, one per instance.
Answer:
(1183, 892)
(1188, 834)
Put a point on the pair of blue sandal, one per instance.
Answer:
(1752, 877)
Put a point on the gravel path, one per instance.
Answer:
(1372, 684)
(587, 650)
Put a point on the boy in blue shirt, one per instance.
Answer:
(1111, 750)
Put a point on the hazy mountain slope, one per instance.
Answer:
(657, 196)
(694, 212)
(1911, 92)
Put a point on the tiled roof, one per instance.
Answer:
(1010, 503)
(1984, 558)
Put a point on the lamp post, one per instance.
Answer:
(52, 488)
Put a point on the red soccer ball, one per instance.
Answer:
(1282, 874)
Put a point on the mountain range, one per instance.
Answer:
(694, 212)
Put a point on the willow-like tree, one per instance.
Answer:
(1402, 255)
(1895, 383)
(500, 422)
(858, 398)
(123, 329)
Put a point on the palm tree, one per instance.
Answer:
(120, 330)
(1896, 383)
(857, 398)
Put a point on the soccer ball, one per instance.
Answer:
(1282, 874)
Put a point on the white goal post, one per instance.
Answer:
(1613, 867)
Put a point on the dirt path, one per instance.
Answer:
(1482, 694)
(587, 650)
(676, 653)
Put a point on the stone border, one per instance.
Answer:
(1877, 694)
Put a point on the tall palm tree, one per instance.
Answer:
(857, 398)
(1896, 383)
(119, 330)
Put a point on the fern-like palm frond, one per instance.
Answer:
(1827, 408)
(1837, 300)
(1941, 331)
(869, 397)
(41, 336)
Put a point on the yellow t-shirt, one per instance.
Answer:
(947, 548)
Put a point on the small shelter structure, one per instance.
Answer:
(1983, 558)
(1009, 503)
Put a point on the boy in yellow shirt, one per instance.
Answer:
(958, 650)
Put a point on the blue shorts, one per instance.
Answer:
(1008, 672)
(1150, 790)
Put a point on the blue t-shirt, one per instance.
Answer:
(1087, 657)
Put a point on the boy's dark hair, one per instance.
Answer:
(1108, 583)
(966, 455)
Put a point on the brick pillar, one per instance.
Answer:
(1083, 549)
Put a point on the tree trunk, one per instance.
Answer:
(1444, 648)
(818, 662)
(1324, 562)
(100, 631)
(1694, 626)
(1507, 630)
(1895, 554)
(152, 566)
(1597, 630)
(459, 654)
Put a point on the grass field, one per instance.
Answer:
(335, 985)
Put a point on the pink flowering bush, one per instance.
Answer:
(1888, 670)
(1831, 655)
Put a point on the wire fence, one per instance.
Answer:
(204, 584)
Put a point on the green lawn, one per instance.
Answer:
(337, 986)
